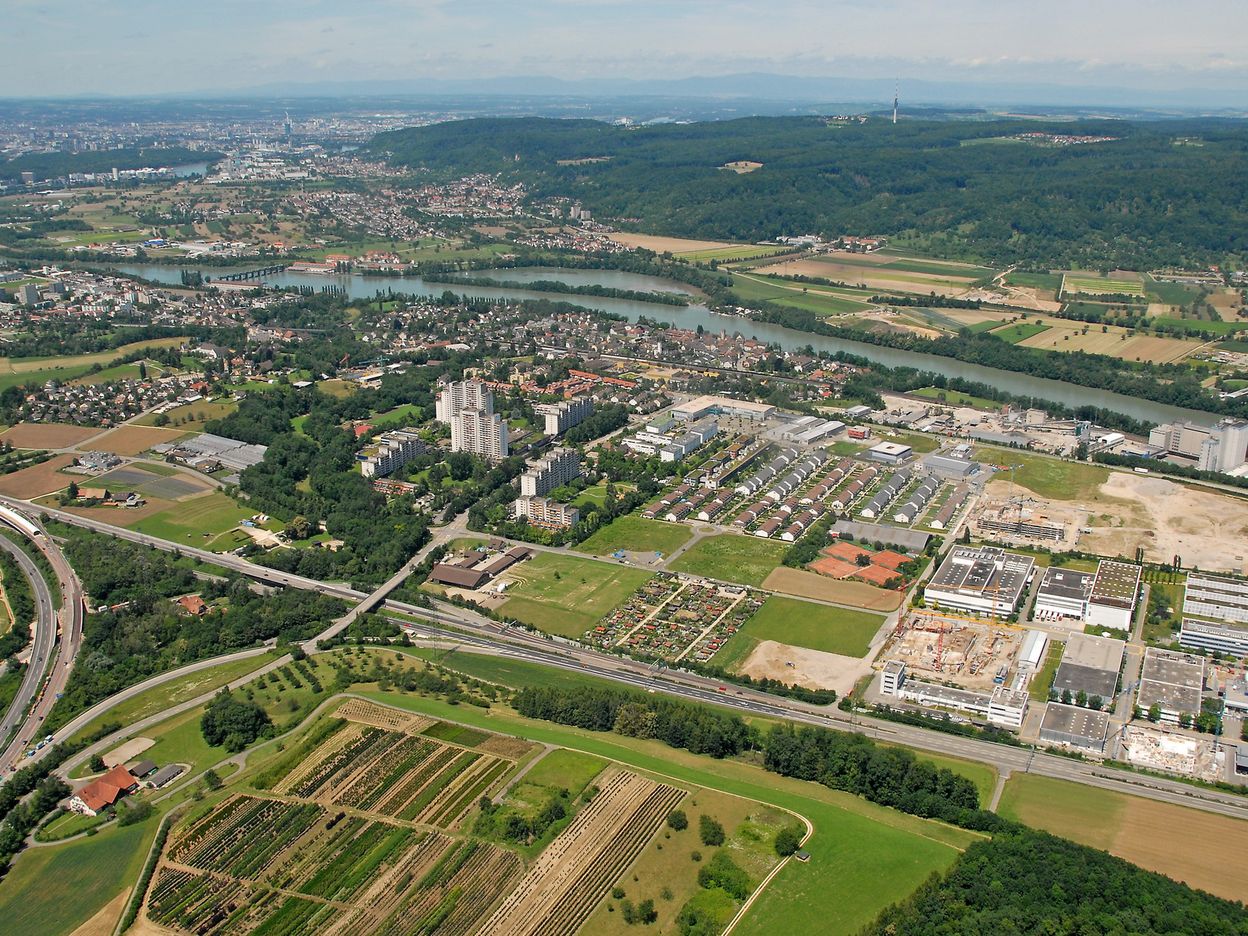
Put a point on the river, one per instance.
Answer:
(358, 286)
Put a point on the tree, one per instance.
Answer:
(72, 490)
(710, 830)
(1154, 712)
(678, 820)
(212, 779)
(231, 723)
(788, 840)
(96, 764)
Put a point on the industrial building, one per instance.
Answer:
(554, 469)
(890, 453)
(1223, 447)
(1090, 664)
(810, 429)
(950, 468)
(1075, 727)
(1031, 654)
(389, 452)
(1173, 682)
(562, 416)
(1004, 707)
(1115, 591)
(480, 433)
(983, 580)
(722, 406)
(1231, 639)
(1063, 595)
(1213, 596)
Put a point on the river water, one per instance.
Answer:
(358, 286)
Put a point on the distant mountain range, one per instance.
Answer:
(773, 88)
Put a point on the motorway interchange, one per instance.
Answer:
(447, 624)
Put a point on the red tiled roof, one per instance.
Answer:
(108, 789)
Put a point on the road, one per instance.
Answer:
(447, 622)
(70, 619)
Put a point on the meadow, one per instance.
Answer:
(635, 534)
(732, 557)
(804, 624)
(568, 595)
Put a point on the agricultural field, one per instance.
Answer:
(1204, 850)
(804, 624)
(134, 439)
(1090, 284)
(37, 480)
(821, 300)
(732, 557)
(567, 595)
(634, 534)
(1019, 332)
(803, 584)
(48, 435)
(874, 272)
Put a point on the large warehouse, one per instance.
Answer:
(1090, 664)
(983, 580)
(1114, 593)
(1173, 682)
(1063, 595)
(1075, 727)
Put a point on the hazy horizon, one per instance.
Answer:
(1152, 50)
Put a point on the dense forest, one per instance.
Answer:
(1159, 194)
(1024, 881)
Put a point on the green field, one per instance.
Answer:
(804, 624)
(955, 398)
(635, 534)
(193, 416)
(1048, 477)
(735, 252)
(194, 520)
(817, 299)
(567, 595)
(732, 557)
(1052, 281)
(51, 891)
(1178, 294)
(1201, 325)
(1020, 331)
(1085, 814)
(1098, 285)
(18, 371)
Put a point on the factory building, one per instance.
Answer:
(983, 580)
(1063, 595)
(1115, 591)
(1173, 682)
(1075, 727)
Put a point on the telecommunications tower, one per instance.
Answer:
(896, 90)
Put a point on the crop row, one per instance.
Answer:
(469, 792)
(358, 747)
(375, 779)
(437, 783)
(243, 840)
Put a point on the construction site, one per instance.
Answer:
(1153, 749)
(951, 649)
(1022, 520)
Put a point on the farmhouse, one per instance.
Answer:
(103, 792)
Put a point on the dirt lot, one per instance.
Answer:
(37, 480)
(131, 440)
(47, 435)
(809, 585)
(1208, 530)
(128, 751)
(1067, 335)
(676, 245)
(814, 669)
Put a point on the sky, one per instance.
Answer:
(142, 47)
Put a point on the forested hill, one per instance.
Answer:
(1163, 193)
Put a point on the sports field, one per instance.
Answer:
(805, 624)
(1199, 848)
(567, 595)
(194, 521)
(635, 534)
(732, 557)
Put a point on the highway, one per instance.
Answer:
(69, 617)
(446, 622)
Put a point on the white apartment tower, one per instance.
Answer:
(553, 470)
(479, 432)
(460, 395)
